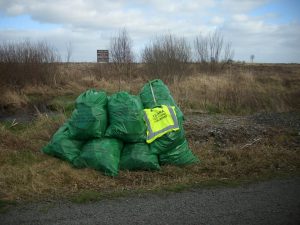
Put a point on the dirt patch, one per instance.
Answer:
(289, 120)
(228, 130)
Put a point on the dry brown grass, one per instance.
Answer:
(33, 175)
(12, 99)
(27, 62)
(238, 90)
(26, 173)
(229, 93)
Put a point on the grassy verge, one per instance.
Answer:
(26, 173)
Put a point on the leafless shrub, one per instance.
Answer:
(69, 51)
(27, 62)
(167, 57)
(252, 58)
(121, 53)
(210, 51)
(228, 53)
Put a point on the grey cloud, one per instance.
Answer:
(270, 43)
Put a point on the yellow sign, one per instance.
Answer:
(160, 120)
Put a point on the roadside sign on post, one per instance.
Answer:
(102, 56)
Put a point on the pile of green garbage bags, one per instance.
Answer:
(108, 133)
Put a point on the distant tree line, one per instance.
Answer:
(169, 55)
(166, 56)
(27, 62)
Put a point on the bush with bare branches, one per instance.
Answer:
(167, 57)
(27, 62)
(211, 53)
(121, 53)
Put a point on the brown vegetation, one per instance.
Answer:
(238, 89)
(167, 57)
(27, 63)
(26, 173)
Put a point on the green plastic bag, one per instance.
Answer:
(89, 119)
(101, 154)
(126, 118)
(62, 146)
(172, 147)
(159, 94)
(179, 156)
(137, 156)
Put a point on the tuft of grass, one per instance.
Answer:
(212, 109)
(176, 188)
(12, 99)
(15, 127)
(19, 159)
(64, 103)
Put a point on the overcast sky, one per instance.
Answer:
(269, 29)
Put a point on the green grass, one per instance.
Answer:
(17, 127)
(19, 159)
(64, 103)
(213, 183)
(212, 109)
(6, 204)
(61, 103)
(86, 196)
(34, 97)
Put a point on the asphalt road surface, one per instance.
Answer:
(272, 202)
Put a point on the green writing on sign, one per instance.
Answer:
(159, 116)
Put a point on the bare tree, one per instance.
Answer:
(69, 51)
(252, 58)
(210, 50)
(28, 63)
(228, 53)
(201, 45)
(215, 42)
(121, 53)
(167, 56)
